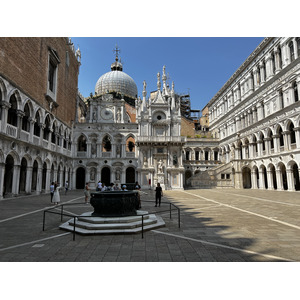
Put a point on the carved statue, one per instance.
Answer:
(92, 174)
(160, 166)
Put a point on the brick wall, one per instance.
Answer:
(24, 62)
(187, 128)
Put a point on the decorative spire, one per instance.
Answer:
(158, 81)
(144, 89)
(117, 51)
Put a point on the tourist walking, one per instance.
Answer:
(138, 188)
(56, 195)
(158, 194)
(87, 193)
(51, 190)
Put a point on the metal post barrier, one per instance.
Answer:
(142, 226)
(178, 218)
(61, 212)
(170, 211)
(74, 229)
(44, 221)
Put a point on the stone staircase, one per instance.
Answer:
(88, 225)
(211, 178)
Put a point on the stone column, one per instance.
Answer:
(254, 114)
(31, 130)
(16, 179)
(259, 148)
(276, 143)
(253, 179)
(39, 181)
(2, 171)
(238, 123)
(268, 66)
(286, 140)
(290, 180)
(20, 115)
(261, 180)
(47, 186)
(270, 180)
(295, 48)
(297, 134)
(28, 180)
(268, 145)
(279, 180)
(5, 107)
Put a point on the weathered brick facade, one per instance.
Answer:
(24, 62)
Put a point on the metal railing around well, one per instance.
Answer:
(172, 207)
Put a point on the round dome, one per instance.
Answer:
(118, 82)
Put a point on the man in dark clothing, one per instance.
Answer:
(158, 194)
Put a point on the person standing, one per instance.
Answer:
(158, 194)
(87, 193)
(66, 187)
(51, 190)
(99, 185)
(56, 195)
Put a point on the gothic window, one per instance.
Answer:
(295, 89)
(130, 145)
(187, 155)
(279, 57)
(69, 143)
(65, 140)
(292, 51)
(12, 117)
(206, 155)
(53, 134)
(81, 144)
(106, 144)
(36, 128)
(215, 155)
(25, 120)
(281, 142)
(197, 155)
(292, 133)
(47, 128)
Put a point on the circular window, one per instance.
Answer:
(159, 117)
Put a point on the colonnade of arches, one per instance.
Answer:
(23, 119)
(201, 154)
(106, 174)
(27, 175)
(272, 177)
(278, 139)
(106, 145)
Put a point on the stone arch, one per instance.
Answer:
(3, 91)
(264, 178)
(130, 175)
(246, 175)
(82, 143)
(272, 171)
(106, 175)
(8, 175)
(283, 175)
(187, 175)
(80, 177)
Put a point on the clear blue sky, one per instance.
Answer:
(199, 66)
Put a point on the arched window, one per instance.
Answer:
(292, 51)
(187, 155)
(12, 117)
(81, 144)
(37, 129)
(65, 140)
(292, 133)
(295, 90)
(130, 145)
(53, 134)
(25, 120)
(281, 142)
(106, 144)
(197, 155)
(47, 128)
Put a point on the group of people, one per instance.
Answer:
(55, 187)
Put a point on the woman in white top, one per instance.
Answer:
(56, 196)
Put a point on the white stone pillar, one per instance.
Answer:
(28, 180)
(277, 60)
(2, 171)
(290, 180)
(253, 179)
(262, 72)
(261, 180)
(47, 185)
(279, 180)
(295, 48)
(16, 179)
(260, 111)
(270, 180)
(297, 135)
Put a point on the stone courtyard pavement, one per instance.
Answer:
(215, 226)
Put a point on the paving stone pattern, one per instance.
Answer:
(216, 226)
